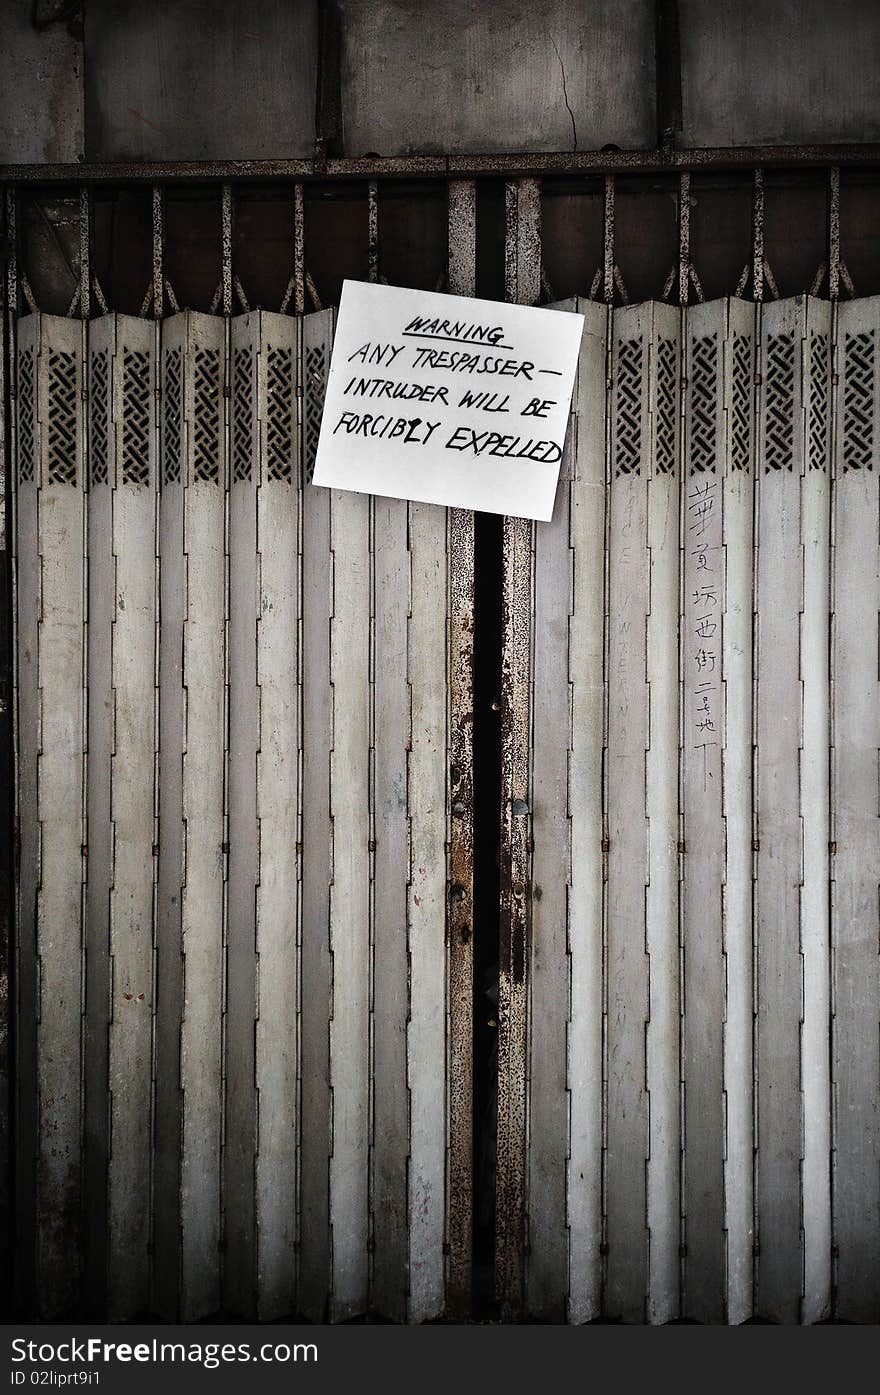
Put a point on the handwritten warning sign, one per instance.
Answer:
(447, 400)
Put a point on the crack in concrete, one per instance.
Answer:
(574, 136)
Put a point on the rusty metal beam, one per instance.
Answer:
(834, 234)
(460, 916)
(85, 253)
(522, 280)
(511, 166)
(158, 252)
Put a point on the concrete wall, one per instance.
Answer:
(41, 79)
(455, 76)
(758, 72)
(189, 79)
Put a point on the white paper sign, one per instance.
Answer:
(447, 400)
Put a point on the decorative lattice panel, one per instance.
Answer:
(62, 417)
(628, 433)
(741, 404)
(819, 402)
(704, 404)
(316, 379)
(858, 402)
(99, 416)
(779, 403)
(664, 460)
(279, 413)
(136, 417)
(206, 407)
(26, 395)
(172, 417)
(242, 412)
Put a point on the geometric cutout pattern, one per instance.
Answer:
(206, 408)
(316, 383)
(172, 417)
(62, 417)
(820, 404)
(664, 456)
(242, 413)
(135, 417)
(741, 404)
(779, 403)
(279, 415)
(858, 402)
(99, 416)
(26, 400)
(628, 417)
(704, 404)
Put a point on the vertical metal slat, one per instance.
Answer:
(856, 995)
(522, 284)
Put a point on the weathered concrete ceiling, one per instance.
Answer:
(117, 80)
(41, 78)
(761, 71)
(454, 76)
(198, 80)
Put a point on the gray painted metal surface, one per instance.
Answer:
(51, 534)
(855, 982)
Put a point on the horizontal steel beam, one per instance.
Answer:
(514, 166)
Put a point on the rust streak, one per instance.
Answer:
(139, 116)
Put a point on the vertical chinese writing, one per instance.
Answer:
(702, 620)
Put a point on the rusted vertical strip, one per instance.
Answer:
(460, 584)
(684, 238)
(158, 252)
(299, 239)
(85, 262)
(758, 237)
(834, 233)
(373, 231)
(522, 284)
(226, 216)
(550, 959)
(608, 255)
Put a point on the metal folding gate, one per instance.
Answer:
(244, 938)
